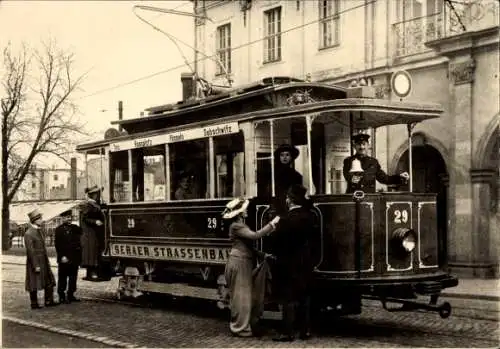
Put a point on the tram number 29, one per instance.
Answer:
(212, 223)
(400, 216)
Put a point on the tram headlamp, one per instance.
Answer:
(405, 238)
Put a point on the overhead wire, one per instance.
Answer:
(149, 76)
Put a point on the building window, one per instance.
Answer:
(417, 21)
(55, 177)
(224, 49)
(33, 184)
(329, 22)
(272, 32)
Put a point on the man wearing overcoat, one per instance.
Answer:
(371, 169)
(39, 276)
(92, 224)
(69, 256)
(294, 267)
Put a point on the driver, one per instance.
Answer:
(372, 171)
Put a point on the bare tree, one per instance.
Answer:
(38, 115)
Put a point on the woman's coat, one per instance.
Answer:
(92, 234)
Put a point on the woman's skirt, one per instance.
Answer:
(238, 275)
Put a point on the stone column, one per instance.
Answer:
(483, 263)
(460, 251)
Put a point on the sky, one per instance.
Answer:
(112, 46)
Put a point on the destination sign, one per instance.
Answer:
(203, 254)
(180, 136)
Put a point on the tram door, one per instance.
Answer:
(264, 175)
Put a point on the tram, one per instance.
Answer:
(169, 175)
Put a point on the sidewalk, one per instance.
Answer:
(485, 289)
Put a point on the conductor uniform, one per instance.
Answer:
(372, 171)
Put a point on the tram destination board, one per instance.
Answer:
(171, 252)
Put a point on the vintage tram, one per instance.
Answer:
(168, 176)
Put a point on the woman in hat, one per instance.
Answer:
(92, 224)
(39, 276)
(364, 177)
(284, 174)
(239, 266)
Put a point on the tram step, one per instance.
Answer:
(179, 290)
(429, 287)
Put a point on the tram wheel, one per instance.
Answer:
(445, 310)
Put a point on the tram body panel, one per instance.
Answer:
(380, 216)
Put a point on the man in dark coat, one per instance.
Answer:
(370, 171)
(39, 276)
(92, 224)
(294, 267)
(284, 174)
(69, 257)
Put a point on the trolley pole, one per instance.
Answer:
(120, 114)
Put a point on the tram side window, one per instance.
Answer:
(148, 173)
(229, 166)
(289, 169)
(189, 170)
(119, 177)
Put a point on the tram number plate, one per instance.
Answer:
(399, 214)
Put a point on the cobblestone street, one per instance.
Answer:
(473, 323)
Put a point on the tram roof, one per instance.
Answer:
(231, 102)
(367, 113)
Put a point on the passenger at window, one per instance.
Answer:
(371, 170)
(239, 267)
(284, 174)
(186, 190)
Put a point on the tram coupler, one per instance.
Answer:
(128, 284)
(443, 309)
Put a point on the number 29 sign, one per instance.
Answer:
(398, 214)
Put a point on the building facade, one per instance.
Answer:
(451, 51)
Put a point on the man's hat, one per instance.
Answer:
(289, 148)
(67, 213)
(34, 215)
(297, 193)
(360, 137)
(92, 189)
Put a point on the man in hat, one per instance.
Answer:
(370, 171)
(186, 190)
(293, 270)
(284, 174)
(92, 224)
(69, 256)
(39, 276)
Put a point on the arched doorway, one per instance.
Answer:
(430, 175)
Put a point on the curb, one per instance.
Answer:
(471, 296)
(78, 334)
